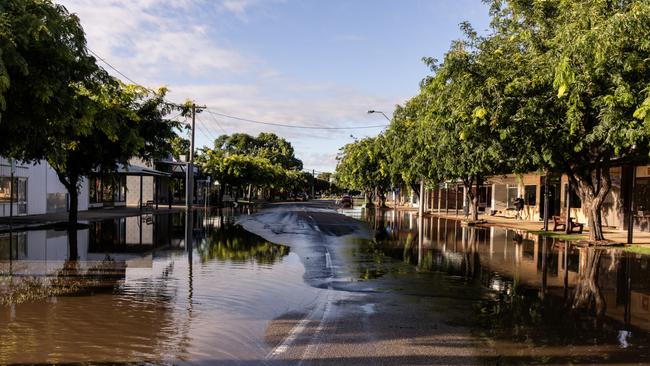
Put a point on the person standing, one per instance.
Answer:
(519, 206)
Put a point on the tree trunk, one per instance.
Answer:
(71, 183)
(472, 199)
(73, 211)
(593, 189)
(222, 192)
(368, 199)
(382, 200)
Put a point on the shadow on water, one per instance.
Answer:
(152, 288)
(541, 301)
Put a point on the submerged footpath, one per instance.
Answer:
(403, 319)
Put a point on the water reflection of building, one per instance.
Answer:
(503, 259)
(546, 265)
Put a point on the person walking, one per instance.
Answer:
(519, 206)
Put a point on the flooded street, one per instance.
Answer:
(303, 284)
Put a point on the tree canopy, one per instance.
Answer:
(560, 87)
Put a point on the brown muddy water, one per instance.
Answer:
(146, 289)
(140, 294)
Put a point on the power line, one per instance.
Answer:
(213, 113)
(218, 124)
(204, 131)
(115, 69)
(291, 126)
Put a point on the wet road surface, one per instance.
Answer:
(305, 284)
(357, 321)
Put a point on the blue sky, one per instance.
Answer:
(297, 62)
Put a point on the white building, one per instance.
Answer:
(37, 190)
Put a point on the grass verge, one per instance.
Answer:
(559, 235)
(638, 249)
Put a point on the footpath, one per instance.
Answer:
(613, 235)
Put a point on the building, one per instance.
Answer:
(630, 191)
(37, 189)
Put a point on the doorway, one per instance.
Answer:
(553, 199)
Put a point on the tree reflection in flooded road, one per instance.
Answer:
(154, 289)
(137, 294)
(544, 301)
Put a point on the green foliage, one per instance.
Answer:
(265, 161)
(44, 66)
(362, 165)
(265, 145)
(180, 147)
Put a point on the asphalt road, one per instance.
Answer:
(406, 319)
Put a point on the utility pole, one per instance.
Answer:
(313, 183)
(189, 174)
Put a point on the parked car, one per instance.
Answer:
(346, 202)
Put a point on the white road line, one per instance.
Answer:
(328, 259)
(284, 346)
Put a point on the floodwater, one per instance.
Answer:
(145, 289)
(139, 294)
(542, 301)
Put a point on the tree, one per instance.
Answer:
(43, 66)
(460, 116)
(180, 148)
(265, 145)
(408, 145)
(126, 121)
(362, 165)
(583, 90)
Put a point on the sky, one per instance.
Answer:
(295, 62)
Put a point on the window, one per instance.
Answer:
(20, 190)
(95, 189)
(120, 189)
(575, 198)
(513, 192)
(107, 189)
(530, 195)
(5, 189)
(642, 195)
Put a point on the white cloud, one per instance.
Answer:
(157, 42)
(153, 40)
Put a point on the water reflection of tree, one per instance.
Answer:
(587, 294)
(230, 242)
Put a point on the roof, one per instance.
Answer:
(140, 171)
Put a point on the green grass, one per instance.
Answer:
(638, 249)
(559, 235)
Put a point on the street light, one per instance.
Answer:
(382, 113)
(388, 119)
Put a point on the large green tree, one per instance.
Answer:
(127, 121)
(582, 89)
(362, 165)
(407, 146)
(43, 66)
(460, 116)
(265, 145)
